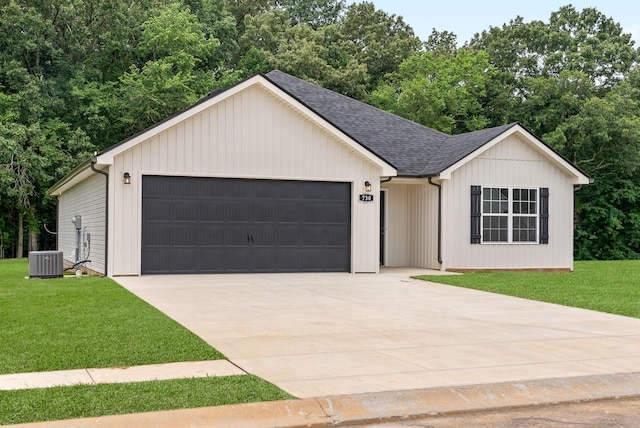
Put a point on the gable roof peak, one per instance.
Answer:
(405, 144)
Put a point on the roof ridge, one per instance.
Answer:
(401, 142)
(353, 100)
(458, 146)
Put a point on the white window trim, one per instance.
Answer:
(509, 216)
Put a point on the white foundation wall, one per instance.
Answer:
(510, 163)
(411, 225)
(87, 199)
(250, 135)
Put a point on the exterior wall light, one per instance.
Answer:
(126, 178)
(367, 186)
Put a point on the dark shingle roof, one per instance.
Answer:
(402, 143)
(457, 147)
(413, 149)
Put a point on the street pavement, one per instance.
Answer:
(614, 413)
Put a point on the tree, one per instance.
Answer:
(585, 47)
(442, 91)
(442, 42)
(315, 13)
(169, 73)
(376, 39)
(587, 42)
(245, 8)
(603, 138)
(34, 152)
(303, 51)
(67, 67)
(573, 80)
(218, 23)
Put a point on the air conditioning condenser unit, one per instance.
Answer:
(45, 264)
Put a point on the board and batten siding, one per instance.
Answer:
(254, 135)
(86, 199)
(412, 225)
(516, 164)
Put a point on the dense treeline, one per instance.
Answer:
(80, 75)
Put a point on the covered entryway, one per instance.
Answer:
(223, 225)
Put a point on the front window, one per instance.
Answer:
(509, 215)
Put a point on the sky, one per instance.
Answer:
(467, 17)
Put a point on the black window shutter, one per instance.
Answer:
(476, 213)
(544, 215)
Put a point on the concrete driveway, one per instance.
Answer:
(326, 334)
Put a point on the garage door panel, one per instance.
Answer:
(317, 190)
(184, 210)
(184, 260)
(157, 209)
(220, 235)
(317, 212)
(223, 260)
(301, 235)
(153, 235)
(236, 225)
(275, 260)
(323, 260)
(184, 235)
(236, 188)
(157, 262)
(223, 211)
(266, 212)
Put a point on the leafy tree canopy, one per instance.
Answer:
(440, 90)
(81, 75)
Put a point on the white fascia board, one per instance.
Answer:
(386, 170)
(107, 157)
(74, 177)
(559, 161)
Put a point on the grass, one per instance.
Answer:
(84, 401)
(67, 323)
(605, 286)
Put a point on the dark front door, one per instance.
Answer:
(214, 225)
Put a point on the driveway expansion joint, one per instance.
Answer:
(93, 381)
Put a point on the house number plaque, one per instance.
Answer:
(365, 197)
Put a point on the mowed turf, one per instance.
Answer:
(82, 401)
(67, 323)
(605, 286)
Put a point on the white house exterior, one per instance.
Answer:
(277, 174)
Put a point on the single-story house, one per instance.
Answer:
(276, 174)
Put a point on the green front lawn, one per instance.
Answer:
(67, 323)
(83, 401)
(605, 286)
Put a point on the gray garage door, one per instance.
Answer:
(211, 225)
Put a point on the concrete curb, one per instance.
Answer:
(375, 407)
(441, 401)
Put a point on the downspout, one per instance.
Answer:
(386, 180)
(94, 159)
(439, 218)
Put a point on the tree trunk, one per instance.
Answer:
(20, 250)
(33, 240)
